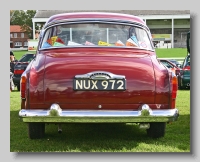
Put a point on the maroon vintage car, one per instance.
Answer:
(97, 68)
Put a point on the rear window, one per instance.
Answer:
(26, 58)
(168, 65)
(96, 34)
(174, 62)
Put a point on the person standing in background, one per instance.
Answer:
(12, 61)
(12, 64)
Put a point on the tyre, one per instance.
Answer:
(179, 85)
(18, 87)
(156, 130)
(36, 130)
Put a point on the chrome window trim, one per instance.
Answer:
(78, 21)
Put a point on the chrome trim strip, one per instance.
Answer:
(99, 20)
(82, 46)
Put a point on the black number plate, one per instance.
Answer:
(99, 85)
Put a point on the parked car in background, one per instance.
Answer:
(175, 62)
(20, 67)
(184, 77)
(96, 67)
(171, 66)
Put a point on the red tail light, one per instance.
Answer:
(23, 87)
(186, 68)
(177, 72)
(174, 89)
(18, 71)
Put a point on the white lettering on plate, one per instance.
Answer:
(88, 84)
(79, 84)
(94, 84)
(121, 85)
(113, 83)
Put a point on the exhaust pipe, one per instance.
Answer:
(59, 128)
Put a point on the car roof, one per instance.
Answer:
(168, 61)
(96, 15)
(163, 59)
(29, 55)
(174, 60)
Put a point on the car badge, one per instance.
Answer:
(100, 75)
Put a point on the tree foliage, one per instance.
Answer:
(23, 18)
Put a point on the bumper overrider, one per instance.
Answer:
(56, 115)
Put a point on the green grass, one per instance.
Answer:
(172, 52)
(161, 53)
(19, 54)
(102, 137)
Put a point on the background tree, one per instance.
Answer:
(23, 18)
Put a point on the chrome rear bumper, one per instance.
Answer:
(98, 116)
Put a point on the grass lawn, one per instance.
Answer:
(102, 137)
(19, 54)
(173, 52)
(161, 53)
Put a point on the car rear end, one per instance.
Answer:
(20, 67)
(102, 75)
(184, 78)
(18, 70)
